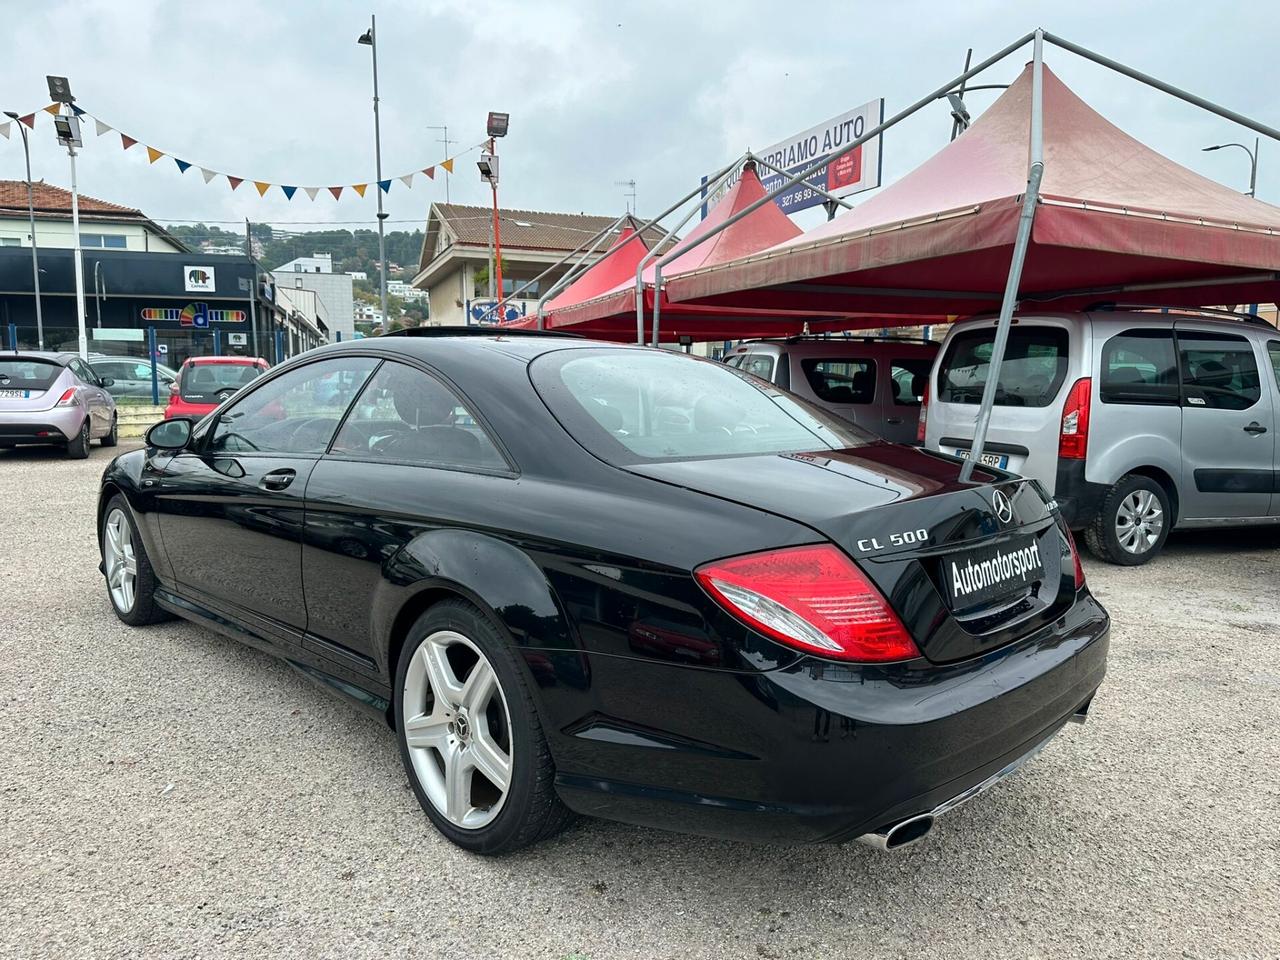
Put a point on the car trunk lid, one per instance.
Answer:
(29, 383)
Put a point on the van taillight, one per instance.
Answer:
(923, 419)
(1073, 442)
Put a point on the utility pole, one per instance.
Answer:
(370, 39)
(253, 287)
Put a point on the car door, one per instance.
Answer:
(1273, 360)
(411, 457)
(1228, 426)
(231, 507)
(905, 393)
(98, 402)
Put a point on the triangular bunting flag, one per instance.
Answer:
(385, 185)
(52, 108)
(208, 174)
(430, 172)
(235, 181)
(153, 154)
(359, 188)
(127, 140)
(262, 187)
(77, 111)
(407, 179)
(288, 191)
(337, 192)
(447, 164)
(4, 130)
(29, 120)
(311, 192)
(183, 166)
(100, 126)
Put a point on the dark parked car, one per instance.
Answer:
(131, 377)
(581, 577)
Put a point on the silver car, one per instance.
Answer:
(131, 377)
(1137, 421)
(54, 398)
(875, 382)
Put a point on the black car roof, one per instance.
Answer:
(458, 343)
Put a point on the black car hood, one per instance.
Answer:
(861, 496)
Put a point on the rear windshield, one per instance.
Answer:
(27, 373)
(203, 381)
(1034, 366)
(631, 406)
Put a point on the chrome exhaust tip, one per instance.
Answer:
(1081, 714)
(900, 835)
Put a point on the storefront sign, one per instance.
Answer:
(192, 315)
(198, 279)
(854, 172)
(116, 333)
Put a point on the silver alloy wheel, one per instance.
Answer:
(1139, 521)
(457, 729)
(120, 560)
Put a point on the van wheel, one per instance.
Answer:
(1132, 523)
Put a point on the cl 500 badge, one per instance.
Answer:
(903, 539)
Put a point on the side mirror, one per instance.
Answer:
(172, 434)
(106, 382)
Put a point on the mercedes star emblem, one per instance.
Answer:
(1004, 509)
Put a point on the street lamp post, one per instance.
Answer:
(370, 39)
(31, 214)
(1253, 161)
(66, 126)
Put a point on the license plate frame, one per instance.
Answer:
(998, 460)
(1014, 565)
(14, 394)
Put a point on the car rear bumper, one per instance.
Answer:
(820, 751)
(57, 425)
(1078, 499)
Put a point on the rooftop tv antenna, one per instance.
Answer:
(630, 194)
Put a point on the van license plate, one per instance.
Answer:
(978, 576)
(1000, 460)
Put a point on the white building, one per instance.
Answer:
(103, 225)
(358, 275)
(315, 273)
(405, 290)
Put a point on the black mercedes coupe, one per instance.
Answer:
(578, 577)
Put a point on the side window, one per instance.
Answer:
(909, 380)
(81, 370)
(408, 416)
(1273, 351)
(295, 413)
(1139, 366)
(758, 365)
(841, 381)
(1218, 371)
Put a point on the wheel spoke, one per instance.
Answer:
(457, 786)
(113, 536)
(444, 684)
(480, 685)
(427, 731)
(494, 765)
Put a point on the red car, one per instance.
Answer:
(205, 382)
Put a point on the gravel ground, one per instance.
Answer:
(169, 793)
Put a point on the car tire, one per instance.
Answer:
(120, 543)
(465, 727)
(78, 447)
(1132, 523)
(113, 435)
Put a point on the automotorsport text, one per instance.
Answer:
(1001, 568)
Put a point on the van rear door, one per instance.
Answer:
(1034, 378)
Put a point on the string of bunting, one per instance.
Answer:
(262, 186)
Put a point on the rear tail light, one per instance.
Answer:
(1075, 556)
(1073, 442)
(923, 420)
(68, 398)
(813, 599)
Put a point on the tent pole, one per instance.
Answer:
(574, 271)
(859, 141)
(1173, 91)
(831, 197)
(705, 188)
(1035, 173)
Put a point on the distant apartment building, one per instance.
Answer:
(406, 291)
(455, 250)
(358, 275)
(334, 290)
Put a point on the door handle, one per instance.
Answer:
(277, 479)
(894, 420)
(1255, 427)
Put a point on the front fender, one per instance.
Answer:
(129, 475)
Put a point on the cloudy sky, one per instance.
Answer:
(657, 91)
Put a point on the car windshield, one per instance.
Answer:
(202, 381)
(27, 373)
(631, 406)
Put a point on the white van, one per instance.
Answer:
(1136, 421)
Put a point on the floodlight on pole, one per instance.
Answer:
(1253, 161)
(496, 126)
(66, 127)
(370, 39)
(31, 216)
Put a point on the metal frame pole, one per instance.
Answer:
(573, 272)
(31, 216)
(1035, 173)
(831, 197)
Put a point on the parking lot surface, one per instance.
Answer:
(167, 792)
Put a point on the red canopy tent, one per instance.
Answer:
(1116, 221)
(589, 307)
